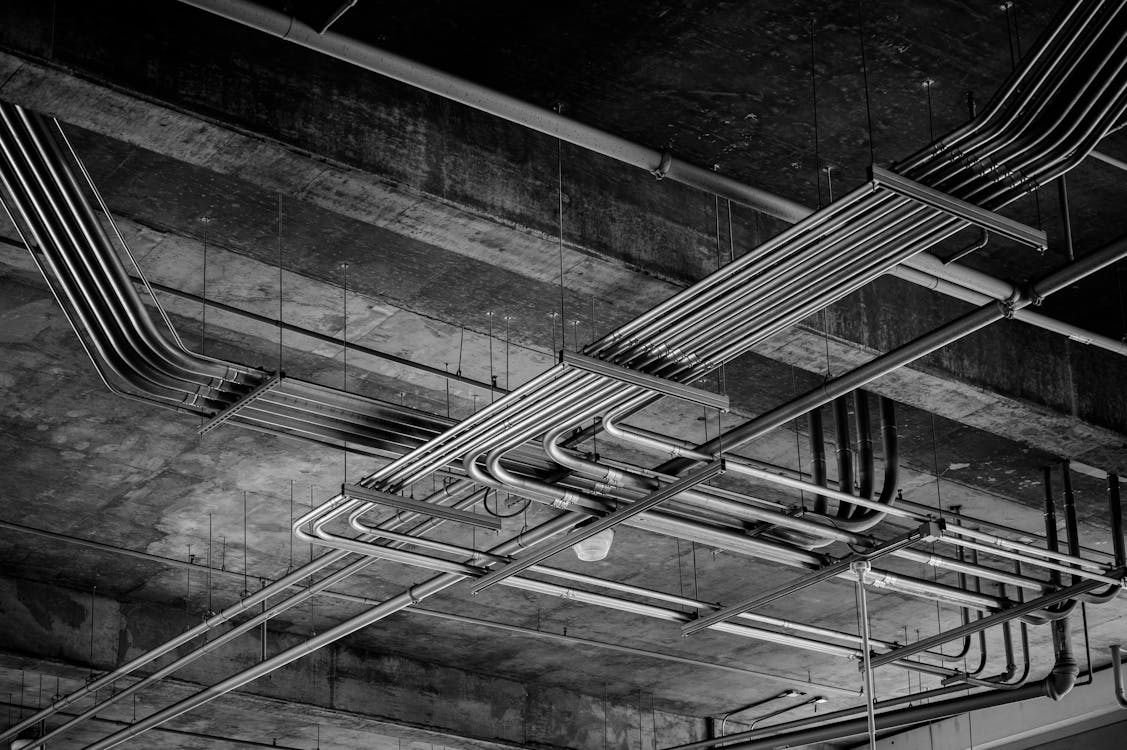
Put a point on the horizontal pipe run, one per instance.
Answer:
(930, 530)
(1109, 160)
(660, 164)
(985, 622)
(1000, 551)
(852, 380)
(649, 382)
(606, 522)
(779, 736)
(351, 346)
(1025, 315)
(424, 612)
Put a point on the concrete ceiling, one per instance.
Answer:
(222, 153)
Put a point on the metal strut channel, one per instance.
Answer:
(982, 623)
(1015, 230)
(608, 521)
(927, 531)
(427, 509)
(649, 382)
(241, 404)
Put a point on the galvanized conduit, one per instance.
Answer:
(1069, 37)
(647, 610)
(48, 199)
(824, 728)
(41, 225)
(294, 579)
(885, 363)
(96, 294)
(1060, 39)
(698, 498)
(401, 601)
(992, 543)
(787, 521)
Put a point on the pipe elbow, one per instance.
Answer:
(1061, 680)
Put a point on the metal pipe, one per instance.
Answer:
(1115, 508)
(394, 604)
(285, 27)
(756, 704)
(903, 355)
(861, 570)
(1051, 522)
(818, 457)
(1071, 526)
(1110, 160)
(1117, 675)
(844, 448)
(780, 737)
(856, 378)
(737, 465)
(661, 164)
(997, 618)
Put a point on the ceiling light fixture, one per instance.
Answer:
(596, 547)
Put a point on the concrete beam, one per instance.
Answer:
(1036, 407)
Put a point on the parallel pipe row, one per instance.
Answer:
(1078, 69)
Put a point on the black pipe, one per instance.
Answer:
(1065, 670)
(844, 438)
(864, 450)
(1116, 510)
(1066, 217)
(1071, 527)
(1051, 522)
(818, 457)
(982, 633)
(866, 518)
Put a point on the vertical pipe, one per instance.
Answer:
(1116, 509)
(1117, 674)
(865, 465)
(1051, 522)
(818, 456)
(1071, 527)
(844, 438)
(861, 569)
(1066, 216)
(263, 638)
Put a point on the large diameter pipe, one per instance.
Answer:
(501, 105)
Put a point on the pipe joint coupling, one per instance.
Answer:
(880, 580)
(1034, 298)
